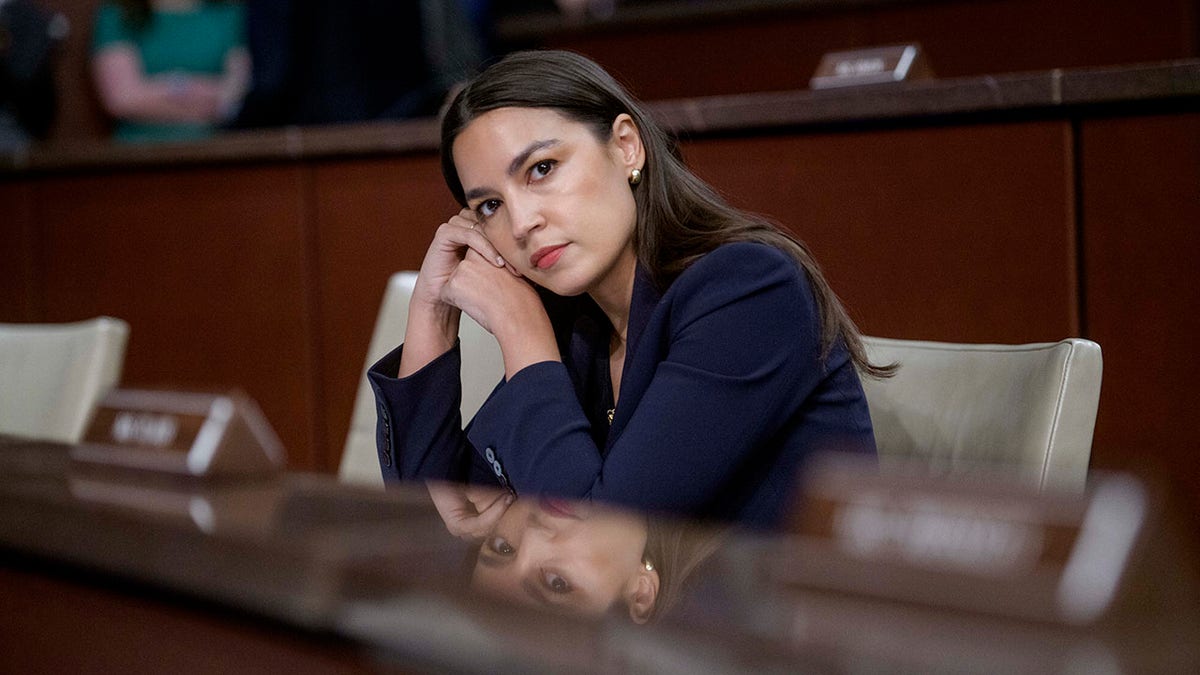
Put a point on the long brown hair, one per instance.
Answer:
(679, 217)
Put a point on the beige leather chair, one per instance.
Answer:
(1028, 409)
(482, 369)
(52, 375)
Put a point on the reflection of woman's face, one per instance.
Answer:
(566, 555)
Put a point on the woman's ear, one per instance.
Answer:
(643, 596)
(628, 142)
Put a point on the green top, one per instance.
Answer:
(194, 42)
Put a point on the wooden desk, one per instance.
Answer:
(297, 573)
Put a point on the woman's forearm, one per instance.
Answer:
(526, 338)
(431, 332)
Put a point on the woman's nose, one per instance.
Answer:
(526, 214)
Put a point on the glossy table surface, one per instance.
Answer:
(378, 573)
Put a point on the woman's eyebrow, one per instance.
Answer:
(515, 165)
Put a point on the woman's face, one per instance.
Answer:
(551, 197)
(568, 556)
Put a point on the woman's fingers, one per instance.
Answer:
(490, 516)
(468, 227)
(467, 512)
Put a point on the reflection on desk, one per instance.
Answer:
(375, 581)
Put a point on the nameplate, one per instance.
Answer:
(976, 543)
(877, 65)
(181, 433)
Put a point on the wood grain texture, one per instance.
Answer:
(209, 267)
(963, 234)
(19, 288)
(1141, 204)
(373, 218)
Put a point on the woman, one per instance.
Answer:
(577, 557)
(170, 70)
(662, 350)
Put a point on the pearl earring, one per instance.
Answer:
(635, 176)
(649, 565)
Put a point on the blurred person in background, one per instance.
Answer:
(327, 62)
(28, 37)
(170, 70)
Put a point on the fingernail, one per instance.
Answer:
(509, 500)
(499, 261)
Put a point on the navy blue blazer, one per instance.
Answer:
(723, 395)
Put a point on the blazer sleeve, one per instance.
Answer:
(743, 353)
(418, 427)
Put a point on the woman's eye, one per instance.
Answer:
(557, 584)
(542, 168)
(487, 207)
(501, 546)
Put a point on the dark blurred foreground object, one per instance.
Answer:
(28, 37)
(991, 545)
(322, 62)
(892, 574)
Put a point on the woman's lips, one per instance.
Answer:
(546, 256)
(559, 508)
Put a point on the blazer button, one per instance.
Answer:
(490, 455)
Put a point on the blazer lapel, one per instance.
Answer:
(639, 362)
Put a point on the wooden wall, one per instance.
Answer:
(1141, 250)
(920, 228)
(265, 277)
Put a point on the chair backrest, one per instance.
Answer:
(952, 408)
(53, 375)
(482, 368)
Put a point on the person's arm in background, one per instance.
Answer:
(234, 83)
(127, 93)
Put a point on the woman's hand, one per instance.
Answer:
(470, 512)
(432, 321)
(496, 298)
(508, 307)
(463, 271)
(453, 239)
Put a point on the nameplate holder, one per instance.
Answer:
(182, 434)
(872, 66)
(984, 544)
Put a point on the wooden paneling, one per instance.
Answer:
(373, 218)
(963, 234)
(770, 52)
(210, 269)
(1141, 202)
(18, 248)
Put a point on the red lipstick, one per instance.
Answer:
(559, 508)
(546, 256)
